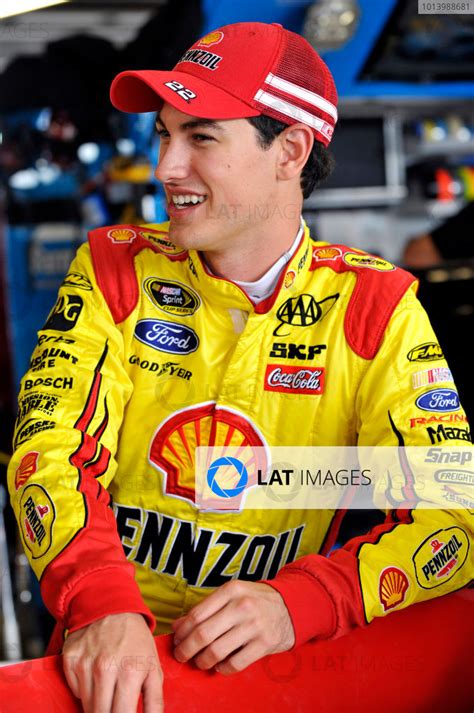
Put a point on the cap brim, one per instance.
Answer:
(146, 90)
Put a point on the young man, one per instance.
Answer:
(229, 326)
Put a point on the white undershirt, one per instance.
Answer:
(264, 286)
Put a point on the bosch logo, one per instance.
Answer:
(232, 466)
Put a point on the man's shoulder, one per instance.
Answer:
(114, 250)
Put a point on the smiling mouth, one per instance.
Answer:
(186, 200)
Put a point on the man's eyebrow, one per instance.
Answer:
(195, 124)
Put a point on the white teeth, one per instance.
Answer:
(180, 200)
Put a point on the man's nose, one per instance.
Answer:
(173, 162)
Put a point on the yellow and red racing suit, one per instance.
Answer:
(146, 355)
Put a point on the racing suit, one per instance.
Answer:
(146, 355)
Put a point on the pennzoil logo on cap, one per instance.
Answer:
(373, 263)
(213, 38)
(121, 235)
(393, 586)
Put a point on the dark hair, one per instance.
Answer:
(320, 163)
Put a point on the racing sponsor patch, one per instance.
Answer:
(439, 400)
(77, 279)
(302, 311)
(328, 253)
(294, 379)
(58, 382)
(448, 433)
(166, 336)
(169, 368)
(30, 428)
(172, 297)
(429, 351)
(213, 38)
(187, 94)
(36, 401)
(440, 556)
(37, 515)
(164, 245)
(459, 477)
(122, 235)
(302, 352)
(439, 418)
(393, 587)
(65, 313)
(48, 358)
(289, 279)
(452, 496)
(370, 261)
(431, 376)
(28, 466)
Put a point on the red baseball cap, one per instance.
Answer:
(238, 71)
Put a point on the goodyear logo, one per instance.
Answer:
(37, 515)
(440, 557)
(373, 263)
(172, 297)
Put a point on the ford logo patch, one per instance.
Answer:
(167, 336)
(439, 400)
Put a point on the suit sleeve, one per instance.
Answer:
(70, 409)
(417, 553)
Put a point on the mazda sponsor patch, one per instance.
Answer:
(167, 336)
(294, 379)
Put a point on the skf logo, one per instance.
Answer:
(213, 38)
(302, 311)
(28, 466)
(327, 253)
(373, 263)
(393, 586)
(121, 235)
(187, 94)
(429, 351)
(303, 352)
(440, 557)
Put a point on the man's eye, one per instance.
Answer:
(162, 133)
(202, 137)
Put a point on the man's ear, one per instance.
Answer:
(296, 142)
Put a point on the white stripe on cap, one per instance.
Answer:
(301, 93)
(295, 112)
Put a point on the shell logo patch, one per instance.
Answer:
(121, 235)
(289, 278)
(326, 253)
(37, 516)
(373, 263)
(393, 586)
(213, 38)
(174, 443)
(28, 466)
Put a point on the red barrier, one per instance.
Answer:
(419, 660)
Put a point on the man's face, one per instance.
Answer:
(220, 185)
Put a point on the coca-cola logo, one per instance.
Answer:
(167, 336)
(439, 400)
(294, 379)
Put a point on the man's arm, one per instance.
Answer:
(70, 409)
